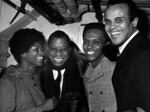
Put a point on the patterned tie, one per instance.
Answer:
(58, 79)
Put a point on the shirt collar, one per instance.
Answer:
(121, 48)
(55, 73)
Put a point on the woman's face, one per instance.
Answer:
(58, 51)
(34, 56)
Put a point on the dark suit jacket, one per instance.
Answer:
(71, 89)
(131, 78)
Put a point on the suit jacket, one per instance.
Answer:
(131, 77)
(99, 88)
(71, 89)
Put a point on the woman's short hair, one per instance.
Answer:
(22, 40)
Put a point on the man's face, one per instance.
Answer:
(34, 56)
(118, 25)
(93, 43)
(58, 51)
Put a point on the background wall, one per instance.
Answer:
(41, 24)
(73, 30)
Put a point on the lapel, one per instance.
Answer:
(48, 83)
(127, 52)
(92, 74)
(124, 61)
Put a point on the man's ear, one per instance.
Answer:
(135, 22)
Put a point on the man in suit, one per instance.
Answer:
(97, 77)
(61, 76)
(131, 77)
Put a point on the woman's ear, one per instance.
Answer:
(23, 55)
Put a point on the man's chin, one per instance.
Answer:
(39, 64)
(91, 58)
(58, 64)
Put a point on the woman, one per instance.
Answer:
(20, 89)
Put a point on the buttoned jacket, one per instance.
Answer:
(99, 88)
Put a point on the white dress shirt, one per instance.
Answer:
(55, 74)
(121, 48)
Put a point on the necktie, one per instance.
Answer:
(118, 54)
(58, 79)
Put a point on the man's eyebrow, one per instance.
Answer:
(119, 17)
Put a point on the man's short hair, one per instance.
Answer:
(59, 34)
(131, 7)
(96, 25)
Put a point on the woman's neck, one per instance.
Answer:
(26, 69)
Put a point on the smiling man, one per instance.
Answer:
(61, 76)
(132, 74)
(97, 78)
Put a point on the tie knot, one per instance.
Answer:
(117, 55)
